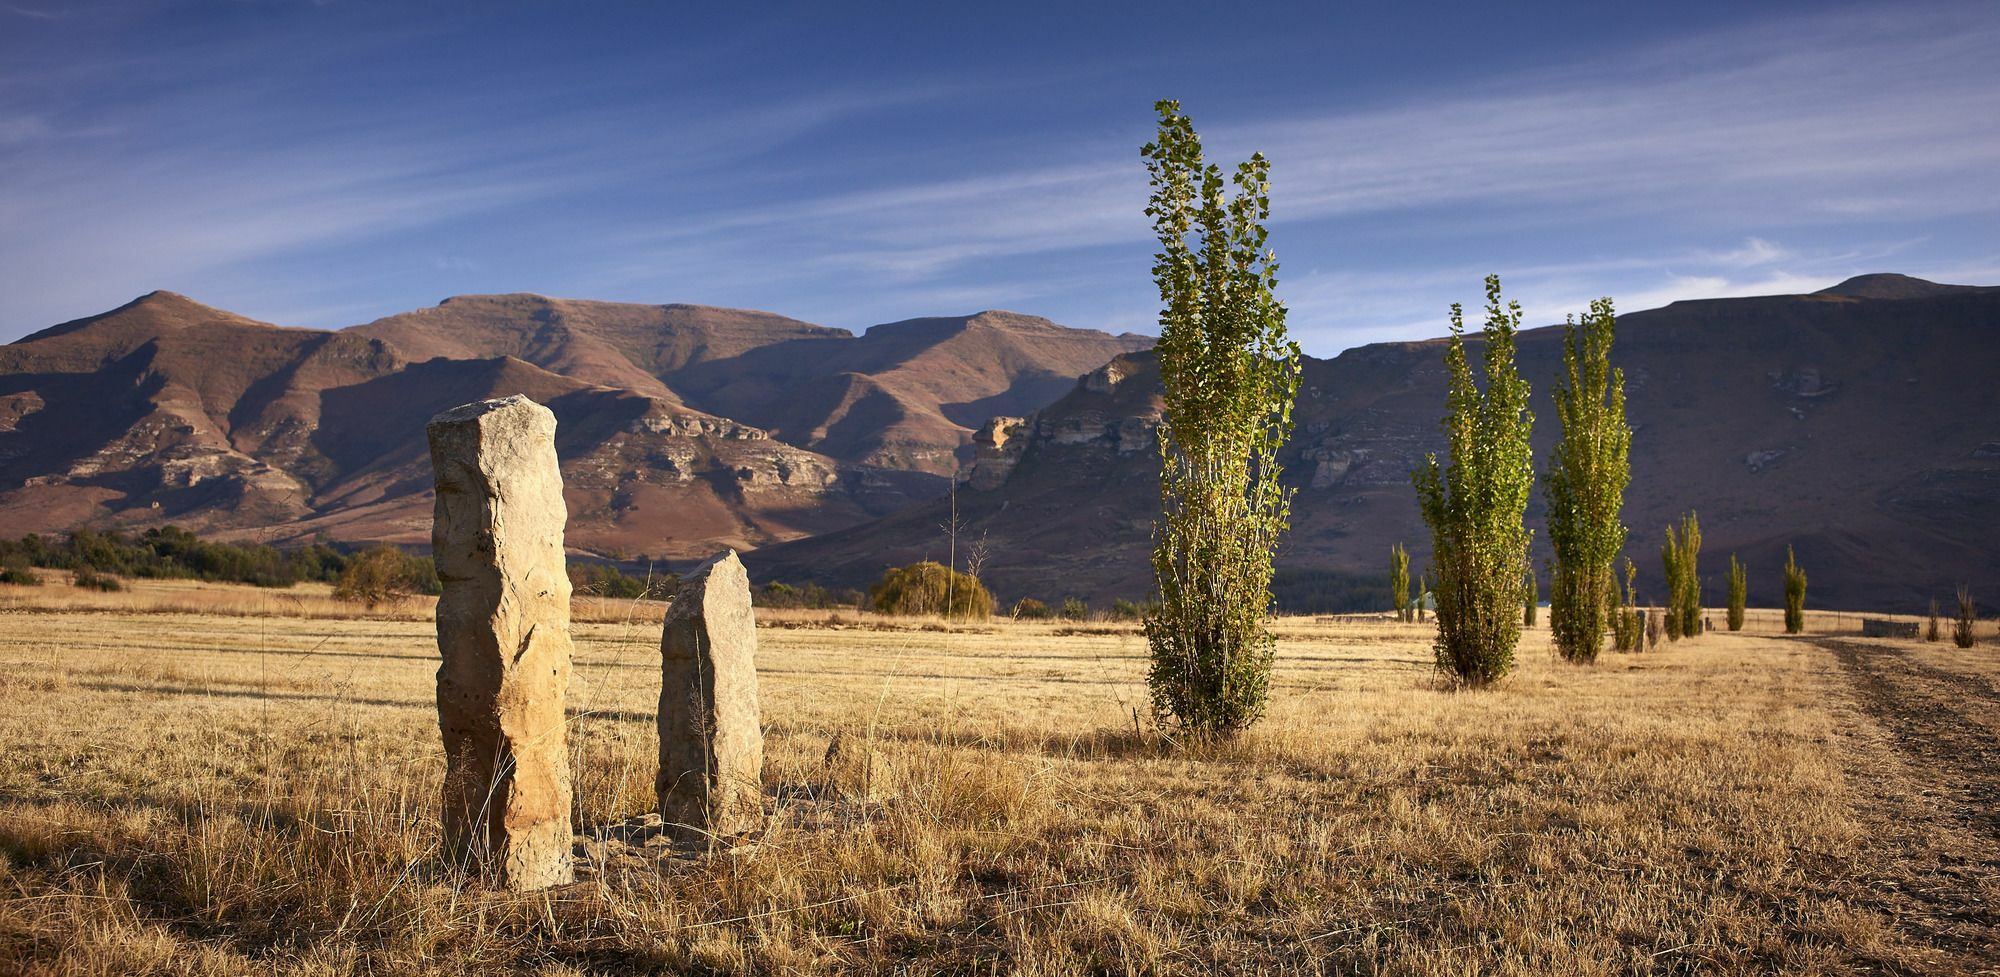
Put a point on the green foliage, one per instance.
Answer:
(170, 552)
(1585, 484)
(930, 587)
(19, 576)
(811, 596)
(1739, 593)
(1475, 503)
(1230, 374)
(1533, 601)
(1075, 609)
(1318, 590)
(1399, 580)
(1795, 595)
(607, 580)
(1030, 609)
(1423, 594)
(1128, 610)
(1681, 559)
(1968, 618)
(383, 574)
(90, 579)
(1628, 627)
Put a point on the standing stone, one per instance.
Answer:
(711, 780)
(503, 632)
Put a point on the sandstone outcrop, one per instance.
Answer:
(503, 635)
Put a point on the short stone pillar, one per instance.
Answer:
(711, 780)
(503, 634)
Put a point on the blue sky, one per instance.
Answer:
(323, 164)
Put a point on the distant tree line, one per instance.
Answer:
(170, 552)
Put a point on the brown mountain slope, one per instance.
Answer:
(903, 396)
(167, 410)
(616, 344)
(1864, 430)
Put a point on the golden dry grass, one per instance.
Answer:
(194, 779)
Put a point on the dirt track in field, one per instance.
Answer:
(1932, 758)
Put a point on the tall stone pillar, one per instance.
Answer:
(503, 634)
(711, 779)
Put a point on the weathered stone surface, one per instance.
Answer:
(503, 634)
(853, 769)
(711, 744)
(996, 449)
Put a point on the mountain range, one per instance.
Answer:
(1859, 425)
(681, 427)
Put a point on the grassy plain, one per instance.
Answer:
(206, 779)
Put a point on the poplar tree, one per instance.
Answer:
(1681, 559)
(1534, 599)
(1230, 374)
(1795, 595)
(1585, 484)
(1399, 580)
(1739, 593)
(1475, 501)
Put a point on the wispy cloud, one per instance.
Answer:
(1780, 156)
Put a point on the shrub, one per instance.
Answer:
(1585, 485)
(1934, 632)
(1795, 595)
(1739, 593)
(383, 574)
(19, 577)
(1323, 590)
(90, 579)
(1030, 609)
(1475, 502)
(1229, 374)
(1126, 610)
(1399, 581)
(779, 594)
(1968, 617)
(607, 580)
(930, 587)
(1075, 609)
(1653, 616)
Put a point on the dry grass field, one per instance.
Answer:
(213, 780)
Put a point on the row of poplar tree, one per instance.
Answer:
(1230, 374)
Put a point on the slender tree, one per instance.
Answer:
(1399, 580)
(1933, 632)
(1671, 556)
(1585, 484)
(1423, 591)
(1476, 500)
(1968, 618)
(1534, 599)
(1628, 632)
(1795, 595)
(1230, 374)
(1739, 593)
(1681, 558)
